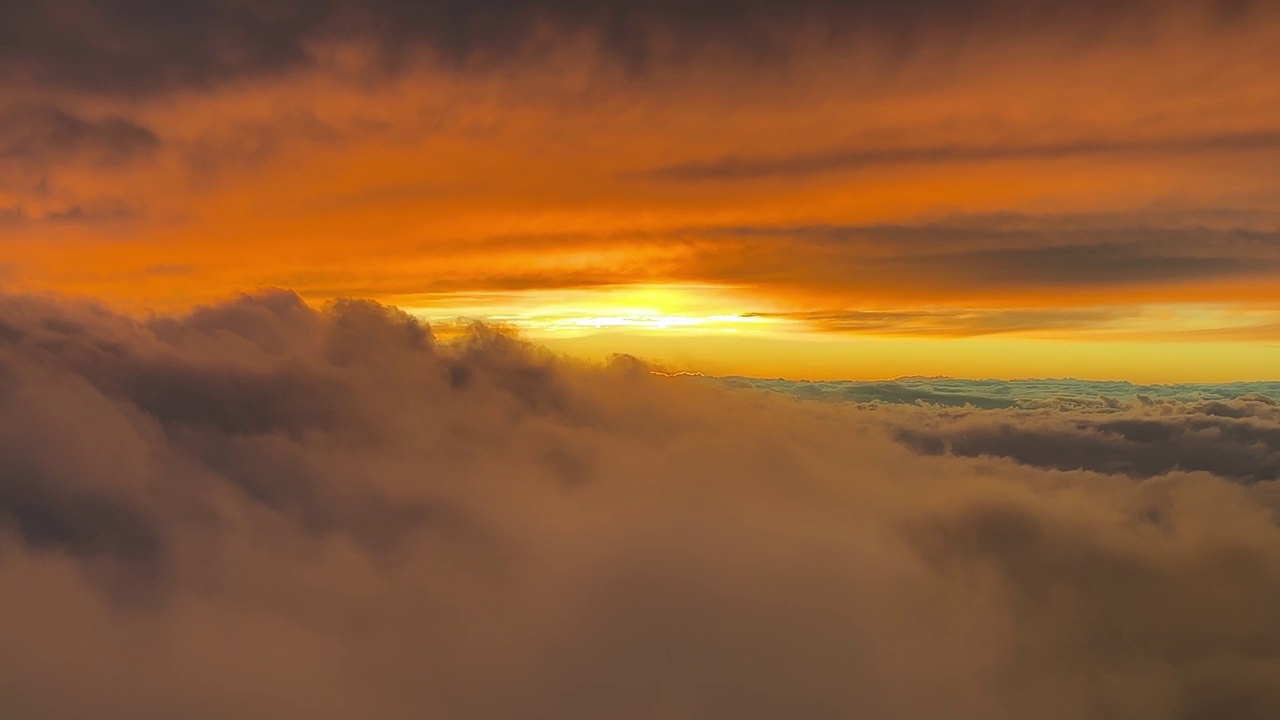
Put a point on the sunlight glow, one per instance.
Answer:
(704, 309)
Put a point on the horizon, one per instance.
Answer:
(689, 353)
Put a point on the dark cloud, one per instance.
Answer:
(140, 46)
(974, 254)
(1231, 430)
(238, 416)
(263, 510)
(1231, 440)
(44, 135)
(1098, 265)
(1213, 229)
(854, 159)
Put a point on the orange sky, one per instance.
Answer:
(1094, 192)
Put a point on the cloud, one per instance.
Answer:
(131, 47)
(263, 510)
(97, 211)
(971, 255)
(839, 276)
(1231, 430)
(1100, 265)
(1238, 439)
(252, 145)
(39, 144)
(836, 160)
(45, 134)
(956, 323)
(1215, 323)
(1061, 394)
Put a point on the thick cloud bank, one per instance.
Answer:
(264, 511)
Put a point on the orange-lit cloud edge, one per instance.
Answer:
(1034, 205)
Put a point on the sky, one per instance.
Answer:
(807, 189)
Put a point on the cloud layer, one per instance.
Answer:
(262, 510)
(131, 47)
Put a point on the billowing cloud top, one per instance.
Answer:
(261, 510)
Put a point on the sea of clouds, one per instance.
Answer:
(262, 510)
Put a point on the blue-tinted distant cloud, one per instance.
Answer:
(1027, 394)
(1231, 429)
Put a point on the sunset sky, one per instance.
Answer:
(640, 359)
(809, 189)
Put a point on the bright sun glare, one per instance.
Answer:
(635, 308)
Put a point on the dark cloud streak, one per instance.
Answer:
(974, 254)
(956, 323)
(838, 160)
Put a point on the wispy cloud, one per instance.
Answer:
(961, 322)
(853, 159)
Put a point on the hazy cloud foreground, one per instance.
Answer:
(259, 510)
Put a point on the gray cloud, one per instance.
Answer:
(262, 510)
